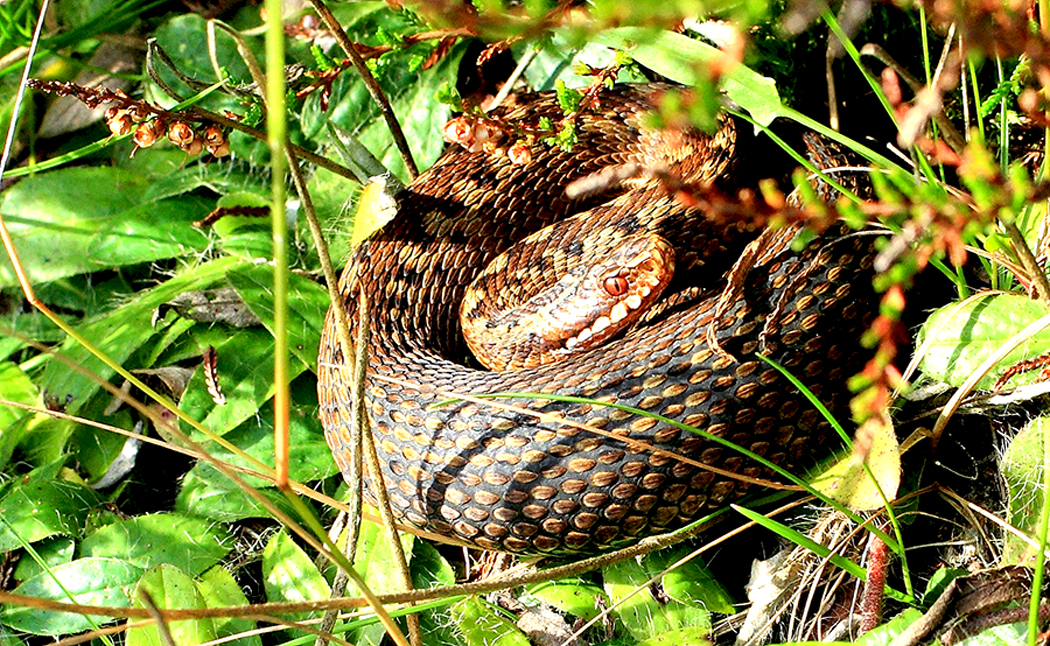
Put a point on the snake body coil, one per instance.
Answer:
(499, 477)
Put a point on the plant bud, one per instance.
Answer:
(180, 134)
(148, 133)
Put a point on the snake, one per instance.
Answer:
(638, 435)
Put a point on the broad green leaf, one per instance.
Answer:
(85, 219)
(375, 562)
(691, 583)
(1024, 468)
(92, 581)
(169, 587)
(887, 632)
(375, 557)
(220, 590)
(309, 457)
(52, 552)
(680, 637)
(579, 599)
(307, 305)
(247, 237)
(189, 544)
(15, 386)
(960, 337)
(208, 494)
(848, 482)
(679, 58)
(481, 625)
(40, 440)
(290, 575)
(122, 331)
(183, 38)
(245, 376)
(1008, 635)
(627, 584)
(41, 504)
(420, 115)
(430, 569)
(557, 59)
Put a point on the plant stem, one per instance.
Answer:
(1029, 261)
(373, 87)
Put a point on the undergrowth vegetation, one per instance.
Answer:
(153, 334)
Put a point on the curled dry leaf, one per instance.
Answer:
(223, 305)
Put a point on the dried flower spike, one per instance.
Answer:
(215, 141)
(184, 137)
(180, 134)
(118, 121)
(148, 133)
(519, 153)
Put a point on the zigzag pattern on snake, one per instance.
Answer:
(502, 479)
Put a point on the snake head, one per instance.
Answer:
(598, 298)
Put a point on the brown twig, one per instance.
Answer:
(373, 87)
(1031, 265)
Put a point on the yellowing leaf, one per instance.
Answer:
(849, 483)
(374, 209)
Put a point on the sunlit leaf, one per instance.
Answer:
(92, 581)
(169, 587)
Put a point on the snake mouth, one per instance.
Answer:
(621, 314)
(614, 279)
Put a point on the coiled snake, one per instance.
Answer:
(499, 477)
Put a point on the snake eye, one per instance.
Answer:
(615, 285)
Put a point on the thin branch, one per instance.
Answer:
(1031, 265)
(373, 87)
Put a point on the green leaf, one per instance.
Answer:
(481, 625)
(309, 457)
(169, 587)
(420, 116)
(182, 39)
(79, 220)
(15, 386)
(245, 375)
(189, 544)
(644, 616)
(290, 575)
(120, 332)
(558, 59)
(92, 581)
(307, 306)
(680, 58)
(247, 237)
(680, 637)
(207, 493)
(691, 583)
(430, 569)
(376, 563)
(1024, 469)
(52, 552)
(887, 632)
(40, 505)
(220, 590)
(577, 598)
(960, 337)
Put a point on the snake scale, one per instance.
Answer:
(584, 477)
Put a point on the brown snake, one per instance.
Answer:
(500, 478)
